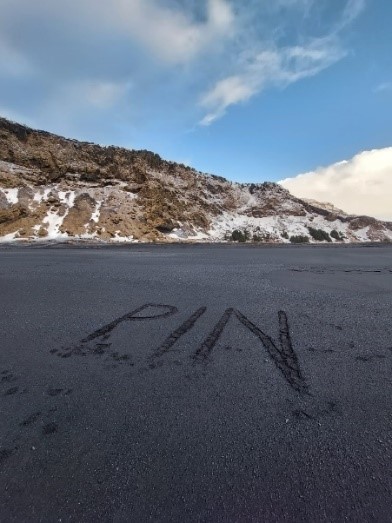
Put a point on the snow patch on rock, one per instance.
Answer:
(11, 195)
(53, 221)
(95, 215)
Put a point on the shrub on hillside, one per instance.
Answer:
(338, 236)
(262, 237)
(240, 236)
(299, 239)
(319, 235)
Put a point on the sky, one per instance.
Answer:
(251, 90)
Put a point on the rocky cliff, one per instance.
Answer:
(52, 188)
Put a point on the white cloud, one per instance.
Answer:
(229, 91)
(352, 10)
(201, 55)
(170, 34)
(362, 185)
(279, 67)
(169, 31)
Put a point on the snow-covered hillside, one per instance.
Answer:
(57, 189)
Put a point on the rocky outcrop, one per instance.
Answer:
(12, 214)
(54, 188)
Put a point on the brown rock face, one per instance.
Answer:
(52, 158)
(13, 214)
(363, 221)
(77, 221)
(3, 201)
(52, 187)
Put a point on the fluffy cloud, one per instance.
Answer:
(362, 185)
(203, 56)
(273, 67)
(280, 66)
(169, 31)
(172, 34)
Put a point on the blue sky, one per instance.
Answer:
(251, 90)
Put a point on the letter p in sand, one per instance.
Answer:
(149, 311)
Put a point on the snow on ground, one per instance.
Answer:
(40, 195)
(87, 235)
(67, 198)
(180, 235)
(122, 239)
(223, 225)
(9, 237)
(362, 234)
(53, 222)
(247, 201)
(226, 223)
(95, 215)
(11, 195)
(200, 235)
